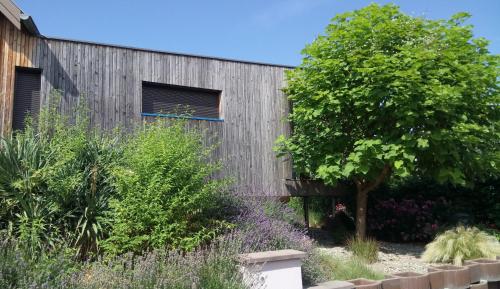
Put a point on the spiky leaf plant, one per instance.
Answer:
(459, 244)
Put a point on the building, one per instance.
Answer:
(239, 102)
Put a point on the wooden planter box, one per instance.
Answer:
(480, 285)
(436, 279)
(454, 277)
(475, 271)
(489, 269)
(407, 280)
(365, 284)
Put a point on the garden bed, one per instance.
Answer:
(393, 257)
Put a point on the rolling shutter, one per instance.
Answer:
(26, 96)
(179, 100)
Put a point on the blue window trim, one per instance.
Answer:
(181, 116)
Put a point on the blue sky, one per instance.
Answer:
(272, 31)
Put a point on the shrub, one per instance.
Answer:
(483, 208)
(265, 224)
(27, 209)
(365, 249)
(491, 230)
(80, 179)
(459, 244)
(56, 181)
(406, 220)
(165, 194)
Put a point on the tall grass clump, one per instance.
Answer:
(460, 244)
(364, 249)
(332, 268)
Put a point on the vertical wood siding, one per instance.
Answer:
(110, 78)
(16, 49)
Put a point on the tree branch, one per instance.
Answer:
(383, 175)
(361, 185)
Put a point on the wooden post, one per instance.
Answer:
(306, 211)
(333, 207)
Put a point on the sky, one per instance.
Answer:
(272, 31)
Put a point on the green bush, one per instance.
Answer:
(56, 181)
(460, 244)
(28, 211)
(166, 197)
(365, 249)
(80, 179)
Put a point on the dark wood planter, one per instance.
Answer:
(365, 284)
(409, 280)
(489, 269)
(454, 277)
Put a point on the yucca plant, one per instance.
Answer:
(80, 179)
(365, 249)
(460, 244)
(26, 209)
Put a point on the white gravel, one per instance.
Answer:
(392, 258)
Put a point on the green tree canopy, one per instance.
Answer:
(385, 94)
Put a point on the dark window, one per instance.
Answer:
(172, 100)
(26, 96)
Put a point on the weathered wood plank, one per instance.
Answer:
(252, 103)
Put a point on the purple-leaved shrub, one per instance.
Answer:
(405, 220)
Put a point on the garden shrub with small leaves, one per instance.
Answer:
(165, 194)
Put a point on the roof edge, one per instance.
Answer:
(29, 24)
(166, 52)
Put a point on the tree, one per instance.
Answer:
(383, 94)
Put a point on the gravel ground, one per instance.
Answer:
(393, 257)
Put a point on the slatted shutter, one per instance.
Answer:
(26, 96)
(179, 100)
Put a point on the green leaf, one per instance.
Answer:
(422, 143)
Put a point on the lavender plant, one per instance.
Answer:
(265, 224)
(211, 267)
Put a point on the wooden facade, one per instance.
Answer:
(110, 78)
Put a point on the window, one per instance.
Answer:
(174, 101)
(26, 95)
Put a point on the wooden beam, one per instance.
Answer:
(313, 188)
(306, 211)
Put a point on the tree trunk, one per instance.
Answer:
(363, 188)
(361, 204)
